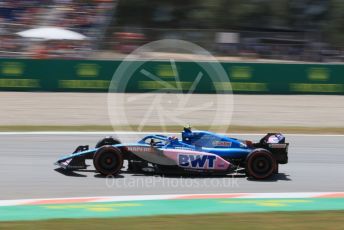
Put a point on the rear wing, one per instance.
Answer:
(275, 143)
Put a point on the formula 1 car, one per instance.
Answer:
(199, 152)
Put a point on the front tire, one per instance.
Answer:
(107, 141)
(260, 164)
(108, 160)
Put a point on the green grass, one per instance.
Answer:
(231, 129)
(275, 220)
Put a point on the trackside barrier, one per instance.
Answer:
(95, 76)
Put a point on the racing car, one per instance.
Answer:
(198, 152)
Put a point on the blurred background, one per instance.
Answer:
(62, 69)
(288, 30)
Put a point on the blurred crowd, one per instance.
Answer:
(96, 19)
(281, 49)
(88, 17)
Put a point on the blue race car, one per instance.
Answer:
(199, 152)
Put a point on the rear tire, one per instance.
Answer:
(276, 170)
(108, 160)
(260, 164)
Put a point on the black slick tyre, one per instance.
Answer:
(107, 141)
(108, 160)
(260, 164)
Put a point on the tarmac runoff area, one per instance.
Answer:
(77, 109)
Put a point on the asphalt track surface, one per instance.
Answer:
(316, 164)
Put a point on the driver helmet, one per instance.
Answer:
(173, 139)
(187, 129)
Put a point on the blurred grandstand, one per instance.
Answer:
(288, 30)
(90, 18)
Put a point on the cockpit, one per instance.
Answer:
(198, 139)
(155, 140)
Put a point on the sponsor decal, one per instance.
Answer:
(277, 146)
(66, 163)
(84, 84)
(183, 148)
(165, 71)
(249, 86)
(222, 143)
(243, 145)
(318, 74)
(275, 138)
(322, 88)
(241, 72)
(12, 68)
(221, 165)
(19, 83)
(170, 85)
(87, 70)
(196, 161)
(140, 149)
